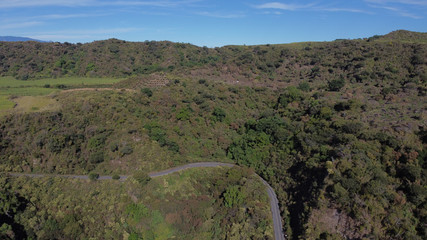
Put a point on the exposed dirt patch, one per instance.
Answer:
(153, 80)
(98, 89)
(334, 222)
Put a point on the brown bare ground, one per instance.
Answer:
(99, 89)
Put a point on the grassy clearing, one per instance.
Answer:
(28, 99)
(36, 104)
(5, 103)
(9, 86)
(27, 91)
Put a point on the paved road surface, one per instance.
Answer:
(274, 203)
(275, 211)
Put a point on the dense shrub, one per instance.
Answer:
(147, 92)
(233, 196)
(336, 84)
(96, 157)
(141, 177)
(219, 114)
(93, 176)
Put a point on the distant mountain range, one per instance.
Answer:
(17, 39)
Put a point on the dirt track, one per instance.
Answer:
(98, 89)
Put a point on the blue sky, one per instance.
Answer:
(207, 22)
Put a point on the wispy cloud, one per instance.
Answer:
(25, 22)
(220, 15)
(15, 25)
(272, 12)
(403, 8)
(148, 3)
(61, 37)
(407, 2)
(32, 3)
(90, 3)
(306, 7)
(88, 34)
(353, 10)
(97, 31)
(398, 11)
(283, 6)
(65, 16)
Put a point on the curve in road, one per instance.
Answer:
(274, 202)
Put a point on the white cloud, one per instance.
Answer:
(283, 6)
(89, 3)
(403, 8)
(65, 16)
(308, 7)
(220, 15)
(408, 2)
(19, 25)
(97, 31)
(37, 3)
(398, 11)
(88, 34)
(147, 3)
(342, 10)
(25, 22)
(60, 37)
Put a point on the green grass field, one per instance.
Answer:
(27, 91)
(9, 86)
(5, 103)
(67, 81)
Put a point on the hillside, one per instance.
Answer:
(184, 205)
(268, 65)
(404, 36)
(337, 128)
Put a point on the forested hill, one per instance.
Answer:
(391, 57)
(404, 36)
(338, 129)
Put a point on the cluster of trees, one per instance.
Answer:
(313, 154)
(95, 130)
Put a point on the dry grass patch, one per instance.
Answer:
(36, 104)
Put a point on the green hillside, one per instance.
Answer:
(404, 36)
(185, 205)
(396, 55)
(338, 129)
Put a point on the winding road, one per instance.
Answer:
(274, 203)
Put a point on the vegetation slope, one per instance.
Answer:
(337, 128)
(184, 205)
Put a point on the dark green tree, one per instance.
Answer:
(336, 84)
(147, 92)
(219, 114)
